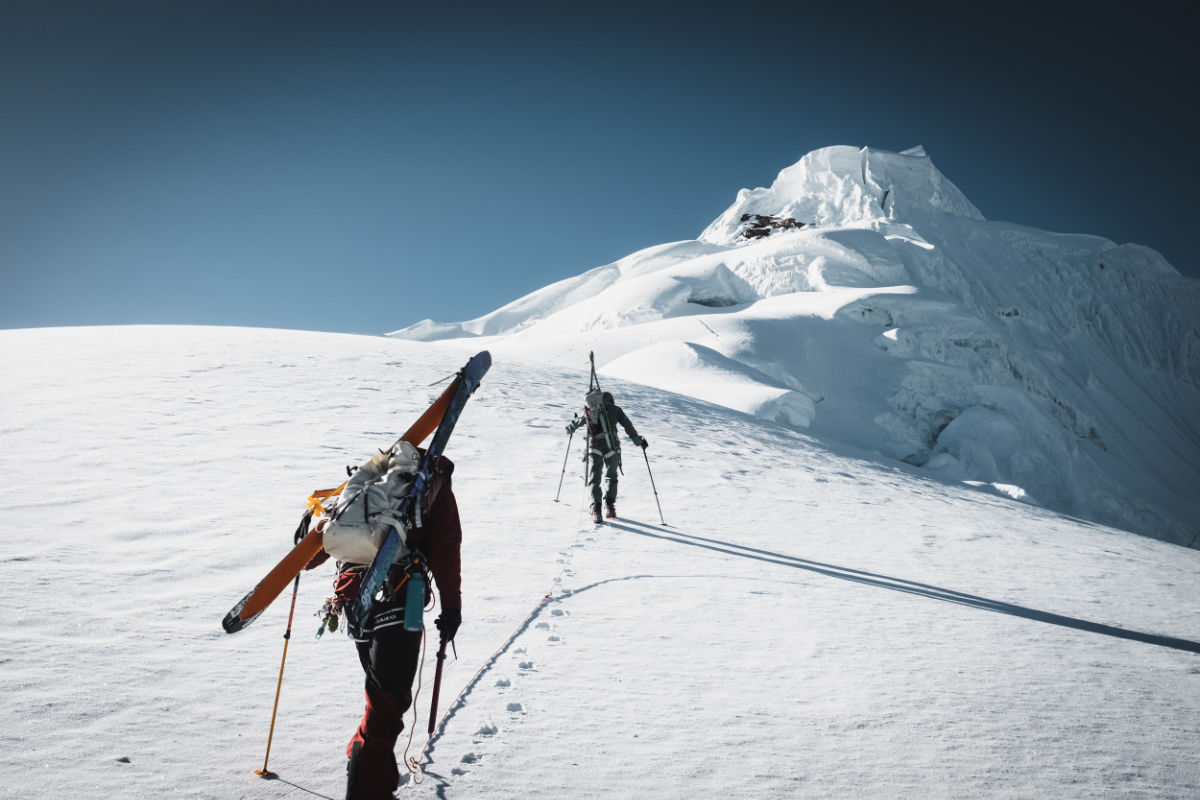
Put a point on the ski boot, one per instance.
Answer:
(596, 518)
(610, 510)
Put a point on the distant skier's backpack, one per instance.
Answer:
(370, 505)
(600, 428)
(595, 409)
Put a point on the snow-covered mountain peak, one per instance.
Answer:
(842, 186)
(862, 298)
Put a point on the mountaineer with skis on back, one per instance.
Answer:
(601, 416)
(394, 528)
(388, 648)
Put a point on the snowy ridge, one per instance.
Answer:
(865, 290)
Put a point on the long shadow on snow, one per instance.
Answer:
(908, 587)
(301, 788)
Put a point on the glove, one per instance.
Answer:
(644, 443)
(570, 430)
(448, 621)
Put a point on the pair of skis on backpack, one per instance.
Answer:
(439, 419)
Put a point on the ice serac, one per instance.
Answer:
(847, 186)
(864, 299)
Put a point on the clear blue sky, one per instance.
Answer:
(360, 166)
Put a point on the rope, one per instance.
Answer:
(413, 763)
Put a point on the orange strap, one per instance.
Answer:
(314, 499)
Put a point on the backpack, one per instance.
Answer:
(370, 505)
(594, 408)
(600, 427)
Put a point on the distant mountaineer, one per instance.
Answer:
(604, 447)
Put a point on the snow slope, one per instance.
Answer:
(899, 321)
(811, 622)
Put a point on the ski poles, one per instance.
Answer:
(301, 532)
(652, 486)
(564, 469)
(287, 635)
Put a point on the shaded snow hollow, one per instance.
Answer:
(863, 298)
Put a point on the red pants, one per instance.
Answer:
(373, 772)
(389, 656)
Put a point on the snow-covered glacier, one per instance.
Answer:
(864, 299)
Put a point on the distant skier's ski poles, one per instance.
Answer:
(564, 469)
(652, 486)
(287, 635)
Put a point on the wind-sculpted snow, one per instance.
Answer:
(712, 377)
(863, 298)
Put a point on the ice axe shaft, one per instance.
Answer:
(437, 685)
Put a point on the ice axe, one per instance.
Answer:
(437, 685)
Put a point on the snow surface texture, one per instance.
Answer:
(898, 320)
(810, 624)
